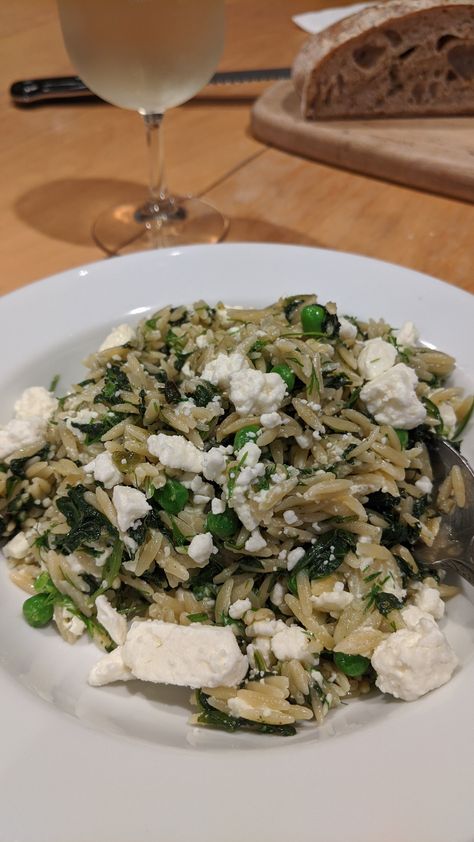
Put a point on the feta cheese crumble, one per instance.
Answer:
(407, 335)
(238, 608)
(270, 420)
(290, 643)
(391, 398)
(347, 330)
(412, 661)
(130, 504)
(376, 357)
(201, 548)
(176, 452)
(104, 470)
(255, 542)
(165, 653)
(35, 402)
(220, 370)
(114, 623)
(119, 335)
(17, 547)
(252, 392)
(424, 485)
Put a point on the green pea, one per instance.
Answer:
(352, 665)
(38, 610)
(286, 374)
(402, 438)
(172, 497)
(313, 317)
(224, 525)
(246, 434)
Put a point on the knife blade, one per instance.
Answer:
(33, 91)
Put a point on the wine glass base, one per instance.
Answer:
(123, 229)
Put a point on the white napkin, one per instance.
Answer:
(317, 21)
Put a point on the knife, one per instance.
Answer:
(33, 91)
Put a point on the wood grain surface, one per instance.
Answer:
(61, 164)
(431, 153)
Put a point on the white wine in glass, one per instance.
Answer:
(148, 56)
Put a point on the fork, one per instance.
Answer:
(453, 547)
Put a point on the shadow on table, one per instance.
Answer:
(66, 209)
(243, 230)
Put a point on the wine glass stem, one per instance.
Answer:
(161, 206)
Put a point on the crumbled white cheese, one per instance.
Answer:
(20, 433)
(219, 371)
(407, 334)
(277, 594)
(130, 505)
(428, 599)
(113, 622)
(84, 416)
(239, 707)
(238, 608)
(249, 454)
(376, 357)
(290, 643)
(245, 514)
(448, 417)
(391, 398)
(17, 547)
(289, 517)
(335, 600)
(187, 371)
(214, 464)
(217, 506)
(187, 656)
(412, 661)
(263, 647)
(270, 420)
(35, 402)
(294, 556)
(424, 485)
(104, 470)
(255, 542)
(265, 628)
(119, 335)
(252, 392)
(201, 548)
(176, 452)
(347, 329)
(305, 440)
(74, 625)
(202, 341)
(110, 668)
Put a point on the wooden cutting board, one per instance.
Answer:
(431, 153)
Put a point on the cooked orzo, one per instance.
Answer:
(231, 501)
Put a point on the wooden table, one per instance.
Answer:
(61, 165)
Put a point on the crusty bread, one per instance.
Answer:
(402, 58)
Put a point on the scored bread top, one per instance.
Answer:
(324, 43)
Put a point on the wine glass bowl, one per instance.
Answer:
(148, 56)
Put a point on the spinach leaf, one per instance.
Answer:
(96, 429)
(115, 381)
(382, 503)
(400, 533)
(291, 304)
(86, 522)
(216, 719)
(336, 381)
(113, 562)
(323, 557)
(171, 392)
(18, 466)
(420, 505)
(204, 393)
(387, 602)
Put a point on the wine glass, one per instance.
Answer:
(148, 56)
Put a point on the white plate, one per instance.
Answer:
(121, 763)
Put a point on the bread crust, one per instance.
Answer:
(345, 35)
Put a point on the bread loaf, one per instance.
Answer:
(405, 57)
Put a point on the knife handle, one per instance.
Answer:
(31, 91)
